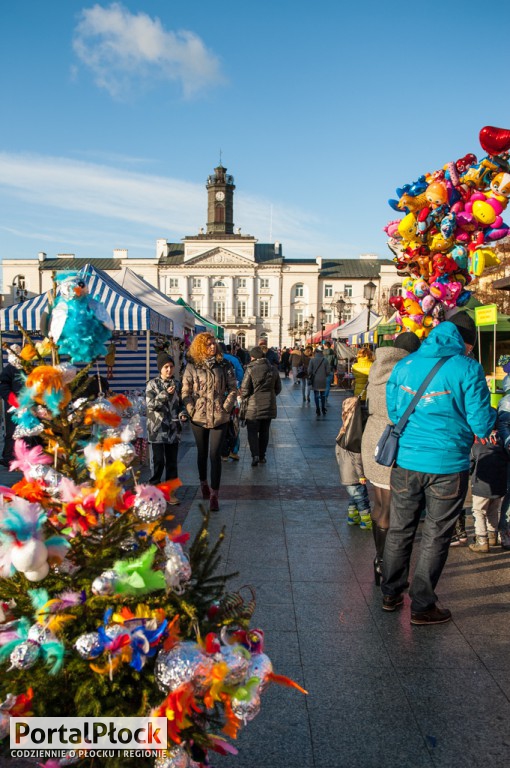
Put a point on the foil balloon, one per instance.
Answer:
(177, 567)
(246, 709)
(494, 140)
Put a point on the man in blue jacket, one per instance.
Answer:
(432, 466)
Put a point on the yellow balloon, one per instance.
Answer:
(407, 227)
(484, 212)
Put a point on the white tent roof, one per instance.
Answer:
(154, 298)
(357, 325)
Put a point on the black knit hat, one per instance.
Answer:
(257, 353)
(465, 326)
(163, 359)
(408, 341)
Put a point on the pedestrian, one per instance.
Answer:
(330, 355)
(286, 362)
(361, 369)
(209, 393)
(232, 442)
(259, 388)
(296, 361)
(318, 371)
(305, 384)
(489, 465)
(385, 360)
(350, 465)
(433, 459)
(269, 352)
(504, 431)
(243, 356)
(164, 416)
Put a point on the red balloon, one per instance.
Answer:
(495, 140)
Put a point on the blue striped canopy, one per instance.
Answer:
(127, 312)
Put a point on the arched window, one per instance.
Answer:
(219, 284)
(241, 340)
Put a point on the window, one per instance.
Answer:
(347, 290)
(219, 311)
(396, 290)
(196, 304)
(241, 309)
(328, 318)
(241, 282)
(299, 316)
(346, 315)
(264, 282)
(241, 340)
(219, 284)
(173, 283)
(299, 290)
(328, 291)
(264, 308)
(196, 282)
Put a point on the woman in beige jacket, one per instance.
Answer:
(209, 393)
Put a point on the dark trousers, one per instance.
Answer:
(320, 400)
(10, 426)
(209, 442)
(258, 436)
(163, 462)
(444, 497)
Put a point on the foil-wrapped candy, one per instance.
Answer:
(246, 709)
(175, 757)
(177, 567)
(25, 655)
(182, 664)
(105, 583)
(123, 452)
(148, 510)
(88, 645)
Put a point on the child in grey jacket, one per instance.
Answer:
(350, 465)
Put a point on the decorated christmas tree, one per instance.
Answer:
(106, 607)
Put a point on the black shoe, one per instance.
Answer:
(263, 460)
(392, 602)
(434, 615)
(324, 411)
(255, 461)
(318, 412)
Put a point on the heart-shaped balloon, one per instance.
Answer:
(495, 140)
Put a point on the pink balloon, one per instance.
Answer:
(496, 205)
(457, 207)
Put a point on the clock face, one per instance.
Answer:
(220, 196)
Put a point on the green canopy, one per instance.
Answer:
(208, 324)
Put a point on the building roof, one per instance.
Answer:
(75, 264)
(352, 268)
(264, 253)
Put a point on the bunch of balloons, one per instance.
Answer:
(452, 219)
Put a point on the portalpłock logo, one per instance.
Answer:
(87, 736)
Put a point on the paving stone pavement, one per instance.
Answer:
(381, 694)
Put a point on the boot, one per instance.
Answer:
(493, 538)
(379, 535)
(366, 522)
(206, 491)
(318, 412)
(505, 539)
(214, 505)
(353, 517)
(480, 545)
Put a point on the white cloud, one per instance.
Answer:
(122, 49)
(102, 204)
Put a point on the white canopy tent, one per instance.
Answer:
(183, 320)
(357, 326)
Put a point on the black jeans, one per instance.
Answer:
(164, 461)
(209, 442)
(444, 497)
(258, 436)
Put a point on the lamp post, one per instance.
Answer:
(306, 325)
(322, 317)
(369, 290)
(340, 306)
(312, 321)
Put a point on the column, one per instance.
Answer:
(207, 296)
(233, 308)
(184, 281)
(253, 298)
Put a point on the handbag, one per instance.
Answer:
(350, 440)
(387, 447)
(301, 373)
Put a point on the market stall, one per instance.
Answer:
(129, 362)
(355, 331)
(204, 323)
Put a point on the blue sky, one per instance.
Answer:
(114, 114)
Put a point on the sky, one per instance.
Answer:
(112, 115)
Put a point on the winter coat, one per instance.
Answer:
(489, 465)
(260, 386)
(163, 411)
(329, 354)
(350, 466)
(439, 434)
(361, 369)
(296, 358)
(209, 391)
(318, 369)
(238, 368)
(385, 360)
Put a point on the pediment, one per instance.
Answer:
(219, 256)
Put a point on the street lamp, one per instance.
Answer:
(340, 306)
(306, 325)
(312, 321)
(369, 290)
(322, 316)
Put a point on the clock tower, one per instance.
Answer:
(220, 202)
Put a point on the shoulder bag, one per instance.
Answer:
(387, 448)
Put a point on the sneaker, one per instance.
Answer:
(392, 602)
(434, 615)
(365, 523)
(353, 516)
(505, 539)
(224, 458)
(480, 545)
(173, 500)
(456, 541)
(234, 456)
